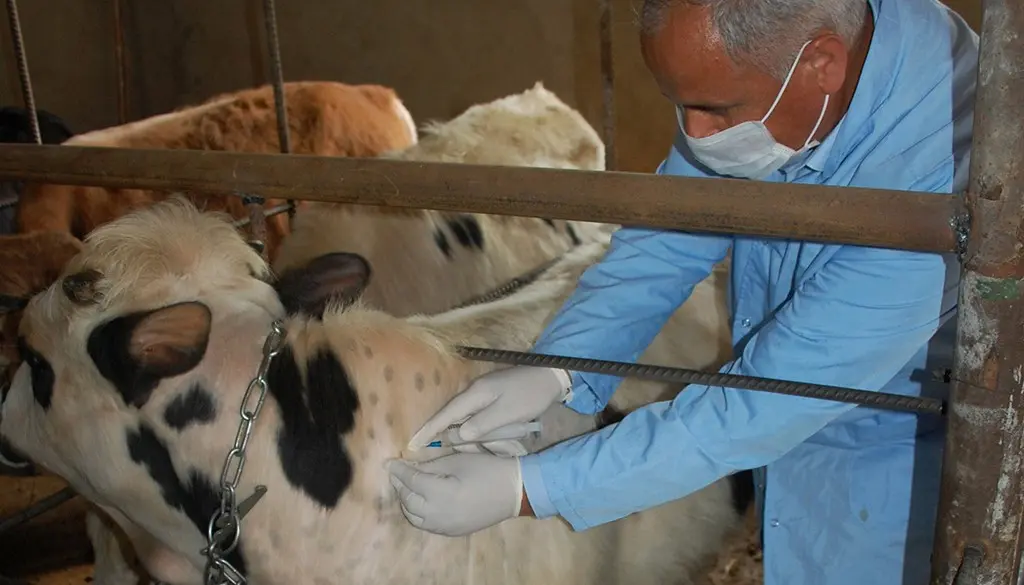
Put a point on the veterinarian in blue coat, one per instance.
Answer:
(875, 93)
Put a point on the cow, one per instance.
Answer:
(137, 361)
(324, 118)
(428, 260)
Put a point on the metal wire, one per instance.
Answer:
(605, 35)
(881, 400)
(23, 75)
(510, 286)
(276, 210)
(277, 79)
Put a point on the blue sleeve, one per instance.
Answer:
(855, 323)
(621, 303)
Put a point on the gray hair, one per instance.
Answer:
(768, 33)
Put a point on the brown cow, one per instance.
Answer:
(324, 118)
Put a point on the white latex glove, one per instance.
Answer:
(458, 494)
(496, 399)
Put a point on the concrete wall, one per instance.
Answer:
(441, 56)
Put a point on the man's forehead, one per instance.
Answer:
(688, 59)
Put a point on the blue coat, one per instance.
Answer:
(848, 494)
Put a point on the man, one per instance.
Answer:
(875, 93)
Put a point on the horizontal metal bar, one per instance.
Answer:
(681, 376)
(849, 215)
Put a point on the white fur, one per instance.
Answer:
(403, 113)
(170, 253)
(412, 274)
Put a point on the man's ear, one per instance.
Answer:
(828, 57)
(338, 278)
(136, 351)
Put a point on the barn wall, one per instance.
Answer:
(441, 56)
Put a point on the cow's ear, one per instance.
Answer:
(335, 279)
(138, 350)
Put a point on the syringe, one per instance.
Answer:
(450, 436)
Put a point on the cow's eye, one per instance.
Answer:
(28, 355)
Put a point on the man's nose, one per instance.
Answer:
(698, 124)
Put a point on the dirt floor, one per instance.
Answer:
(740, 563)
(53, 549)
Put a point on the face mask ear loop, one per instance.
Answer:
(821, 117)
(785, 83)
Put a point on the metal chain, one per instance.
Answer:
(511, 286)
(225, 523)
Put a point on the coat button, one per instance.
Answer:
(745, 323)
(774, 523)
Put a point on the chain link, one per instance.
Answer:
(225, 523)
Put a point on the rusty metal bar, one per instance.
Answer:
(277, 79)
(277, 75)
(607, 82)
(981, 506)
(869, 217)
(23, 74)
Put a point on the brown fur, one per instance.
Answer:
(324, 118)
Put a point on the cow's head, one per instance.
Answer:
(30, 263)
(135, 361)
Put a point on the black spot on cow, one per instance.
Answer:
(467, 229)
(196, 497)
(442, 242)
(572, 234)
(742, 484)
(550, 222)
(315, 412)
(194, 407)
(43, 377)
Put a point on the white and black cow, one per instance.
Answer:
(136, 362)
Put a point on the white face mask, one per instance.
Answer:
(747, 150)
